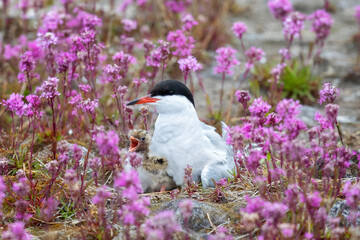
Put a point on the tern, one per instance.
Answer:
(182, 139)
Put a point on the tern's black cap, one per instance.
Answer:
(172, 87)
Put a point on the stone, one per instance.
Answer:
(341, 210)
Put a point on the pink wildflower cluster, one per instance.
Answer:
(135, 209)
(16, 231)
(159, 55)
(50, 88)
(253, 55)
(280, 8)
(182, 43)
(129, 25)
(188, 64)
(107, 142)
(14, 104)
(239, 28)
(328, 93)
(243, 97)
(321, 25)
(188, 22)
(26, 66)
(293, 24)
(357, 14)
(225, 60)
(177, 6)
(162, 226)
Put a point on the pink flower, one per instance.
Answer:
(253, 160)
(284, 52)
(127, 179)
(70, 177)
(177, 6)
(107, 142)
(243, 97)
(16, 231)
(239, 28)
(135, 159)
(321, 25)
(182, 43)
(130, 184)
(188, 64)
(331, 112)
(138, 81)
(123, 60)
(186, 208)
(293, 25)
(85, 88)
(280, 8)
(277, 71)
(313, 200)
(52, 21)
(129, 24)
(102, 194)
(352, 194)
(112, 73)
(21, 188)
(95, 164)
(273, 212)
(188, 22)
(225, 60)
(161, 226)
(15, 104)
(27, 63)
(89, 105)
(357, 14)
(49, 88)
(87, 36)
(50, 205)
(63, 60)
(328, 93)
(10, 52)
(259, 108)
(254, 205)
(47, 39)
(253, 55)
(288, 108)
(3, 190)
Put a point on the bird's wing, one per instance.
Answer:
(215, 139)
(219, 145)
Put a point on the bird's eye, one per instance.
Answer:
(171, 92)
(143, 138)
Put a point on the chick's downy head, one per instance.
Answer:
(139, 140)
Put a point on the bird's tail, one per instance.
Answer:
(224, 130)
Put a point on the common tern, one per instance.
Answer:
(182, 139)
(152, 173)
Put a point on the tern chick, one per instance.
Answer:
(152, 173)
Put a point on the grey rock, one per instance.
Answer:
(199, 221)
(341, 210)
(307, 115)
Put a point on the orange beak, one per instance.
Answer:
(134, 143)
(142, 100)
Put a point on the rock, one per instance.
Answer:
(307, 115)
(202, 212)
(341, 210)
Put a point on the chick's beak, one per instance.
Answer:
(142, 100)
(134, 143)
